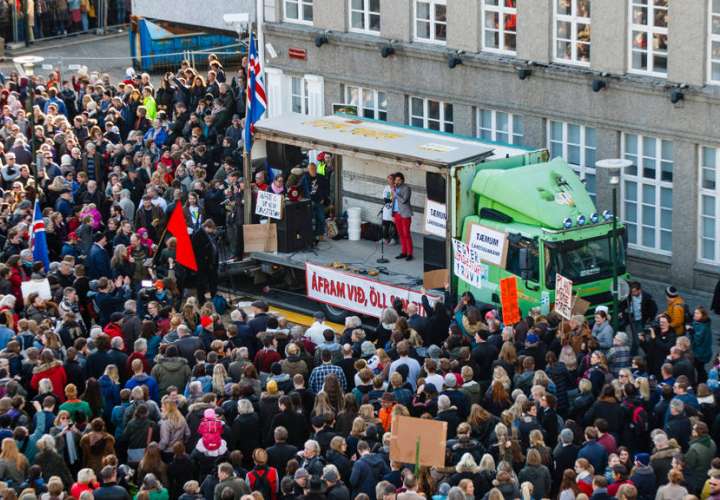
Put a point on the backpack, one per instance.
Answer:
(262, 483)
(638, 419)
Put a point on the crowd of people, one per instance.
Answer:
(125, 375)
(30, 20)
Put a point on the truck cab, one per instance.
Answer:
(552, 227)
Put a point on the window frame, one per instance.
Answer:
(641, 181)
(583, 169)
(300, 6)
(431, 20)
(362, 91)
(500, 10)
(426, 115)
(304, 95)
(511, 132)
(712, 38)
(574, 21)
(715, 194)
(367, 13)
(650, 31)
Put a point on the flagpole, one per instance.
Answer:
(247, 152)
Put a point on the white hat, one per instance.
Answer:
(65, 160)
(130, 72)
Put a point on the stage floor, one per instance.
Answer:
(360, 257)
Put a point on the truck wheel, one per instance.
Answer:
(335, 314)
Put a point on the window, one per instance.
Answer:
(499, 126)
(649, 37)
(299, 11)
(435, 115)
(647, 192)
(709, 224)
(500, 25)
(299, 96)
(576, 145)
(365, 16)
(714, 40)
(431, 20)
(371, 103)
(572, 31)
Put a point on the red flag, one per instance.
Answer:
(184, 253)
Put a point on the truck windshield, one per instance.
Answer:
(582, 261)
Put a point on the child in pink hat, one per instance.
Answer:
(211, 428)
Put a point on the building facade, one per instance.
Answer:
(587, 79)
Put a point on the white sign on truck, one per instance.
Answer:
(490, 244)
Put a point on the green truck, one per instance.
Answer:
(552, 227)
(535, 210)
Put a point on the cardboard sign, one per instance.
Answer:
(435, 279)
(260, 237)
(563, 296)
(467, 265)
(355, 293)
(509, 301)
(408, 434)
(435, 218)
(41, 287)
(490, 244)
(580, 306)
(269, 205)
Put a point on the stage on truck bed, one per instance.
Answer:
(358, 257)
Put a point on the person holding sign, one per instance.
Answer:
(316, 188)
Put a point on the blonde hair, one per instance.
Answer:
(112, 372)
(172, 414)
(11, 453)
(219, 377)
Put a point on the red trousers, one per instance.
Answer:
(402, 226)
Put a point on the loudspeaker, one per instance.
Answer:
(294, 230)
(434, 254)
(284, 156)
(370, 231)
(436, 188)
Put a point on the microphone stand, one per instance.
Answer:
(382, 259)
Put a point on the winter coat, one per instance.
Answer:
(644, 480)
(53, 371)
(603, 333)
(53, 464)
(366, 473)
(661, 461)
(95, 446)
(539, 476)
(595, 453)
(295, 424)
(702, 340)
(698, 458)
(676, 311)
(679, 428)
(671, 492)
(563, 381)
(171, 372)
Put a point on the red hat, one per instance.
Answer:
(206, 321)
(72, 235)
(321, 156)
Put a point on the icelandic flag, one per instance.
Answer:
(256, 97)
(38, 239)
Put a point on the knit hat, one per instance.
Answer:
(388, 397)
(301, 473)
(532, 339)
(444, 489)
(434, 352)
(642, 458)
(206, 321)
(209, 413)
(271, 387)
(671, 292)
(450, 380)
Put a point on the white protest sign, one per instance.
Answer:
(269, 205)
(490, 244)
(435, 218)
(467, 265)
(355, 293)
(563, 296)
(41, 287)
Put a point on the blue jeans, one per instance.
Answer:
(318, 214)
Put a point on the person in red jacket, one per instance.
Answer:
(113, 329)
(53, 370)
(263, 478)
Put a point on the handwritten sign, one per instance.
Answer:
(509, 301)
(490, 244)
(563, 296)
(435, 218)
(467, 265)
(269, 205)
(355, 293)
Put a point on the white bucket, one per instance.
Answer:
(354, 235)
(354, 213)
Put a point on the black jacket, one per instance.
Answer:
(280, 454)
(295, 424)
(648, 309)
(111, 491)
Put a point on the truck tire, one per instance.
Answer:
(335, 314)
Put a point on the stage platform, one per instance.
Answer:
(360, 257)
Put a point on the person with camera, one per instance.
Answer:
(656, 341)
(637, 310)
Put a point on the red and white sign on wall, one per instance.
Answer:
(355, 293)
